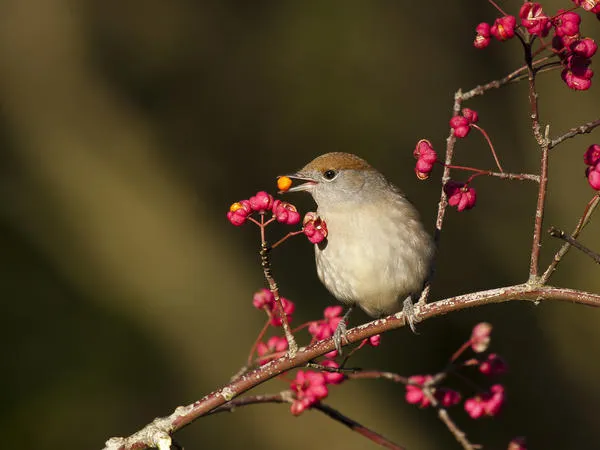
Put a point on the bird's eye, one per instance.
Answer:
(329, 174)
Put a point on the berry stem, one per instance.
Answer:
(261, 334)
(489, 141)
(266, 265)
(495, 5)
(286, 237)
(460, 351)
(355, 426)
(443, 415)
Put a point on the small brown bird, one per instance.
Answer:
(377, 253)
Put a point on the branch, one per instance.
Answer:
(583, 221)
(288, 397)
(161, 428)
(459, 435)
(544, 142)
(282, 397)
(266, 265)
(443, 203)
(355, 426)
(501, 175)
(582, 129)
(539, 209)
(555, 232)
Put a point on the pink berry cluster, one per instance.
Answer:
(461, 124)
(265, 300)
(426, 157)
(310, 387)
(325, 328)
(460, 195)
(592, 159)
(273, 348)
(488, 403)
(573, 50)
(415, 395)
(485, 403)
(262, 203)
(314, 228)
(318, 329)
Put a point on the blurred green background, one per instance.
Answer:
(127, 130)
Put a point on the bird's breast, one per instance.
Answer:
(373, 255)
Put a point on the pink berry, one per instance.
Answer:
(480, 337)
(460, 195)
(470, 114)
(261, 201)
(493, 365)
(533, 18)
(504, 28)
(566, 23)
(332, 377)
(586, 47)
(593, 176)
(314, 228)
(447, 397)
(460, 125)
(592, 155)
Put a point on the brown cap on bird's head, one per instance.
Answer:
(328, 166)
(337, 160)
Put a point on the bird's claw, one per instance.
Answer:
(339, 334)
(408, 310)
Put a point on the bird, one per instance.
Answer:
(377, 254)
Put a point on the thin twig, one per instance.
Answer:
(582, 129)
(286, 237)
(459, 98)
(543, 141)
(495, 84)
(341, 369)
(555, 232)
(583, 221)
(376, 374)
(501, 175)
(355, 426)
(460, 435)
(261, 334)
(282, 397)
(539, 212)
(443, 203)
(266, 265)
(288, 397)
(498, 8)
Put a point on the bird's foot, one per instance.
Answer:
(340, 332)
(408, 310)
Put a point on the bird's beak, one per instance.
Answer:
(308, 185)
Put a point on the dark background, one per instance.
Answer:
(128, 128)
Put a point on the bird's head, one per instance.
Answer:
(339, 178)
